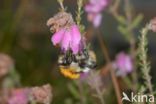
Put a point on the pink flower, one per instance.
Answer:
(96, 6)
(19, 96)
(95, 19)
(94, 9)
(153, 25)
(68, 38)
(123, 64)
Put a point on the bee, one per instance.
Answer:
(73, 66)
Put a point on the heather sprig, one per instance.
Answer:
(79, 14)
(143, 58)
(127, 25)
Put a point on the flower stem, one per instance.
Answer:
(114, 79)
(79, 15)
(79, 12)
(61, 4)
(132, 41)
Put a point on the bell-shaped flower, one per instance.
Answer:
(96, 6)
(94, 9)
(68, 38)
(95, 19)
(123, 64)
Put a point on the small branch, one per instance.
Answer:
(114, 8)
(61, 4)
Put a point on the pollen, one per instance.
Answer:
(68, 72)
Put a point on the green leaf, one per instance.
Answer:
(121, 19)
(136, 21)
(124, 31)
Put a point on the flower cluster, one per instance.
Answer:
(94, 9)
(66, 32)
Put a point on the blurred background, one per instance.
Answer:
(26, 38)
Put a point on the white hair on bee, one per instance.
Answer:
(60, 59)
(75, 66)
(86, 69)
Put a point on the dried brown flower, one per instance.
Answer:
(6, 63)
(60, 20)
(42, 94)
(153, 25)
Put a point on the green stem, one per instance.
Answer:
(79, 15)
(79, 12)
(128, 12)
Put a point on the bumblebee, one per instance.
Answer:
(72, 66)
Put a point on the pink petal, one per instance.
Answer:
(75, 49)
(66, 41)
(76, 38)
(97, 20)
(93, 8)
(96, 6)
(76, 35)
(57, 37)
(103, 3)
(93, 1)
(98, 2)
(19, 97)
(128, 64)
(124, 62)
